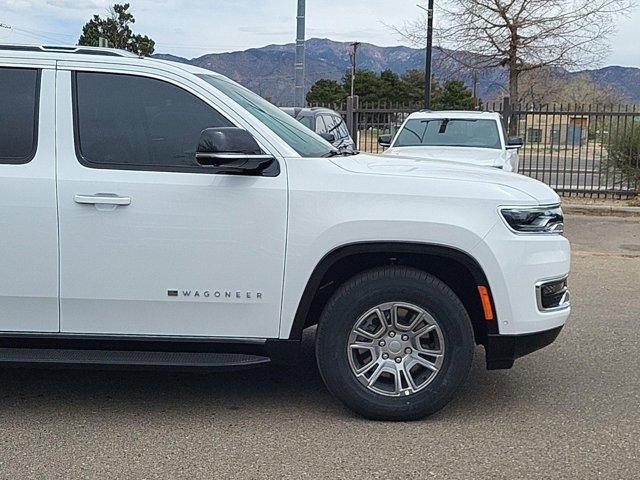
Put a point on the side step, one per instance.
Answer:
(44, 356)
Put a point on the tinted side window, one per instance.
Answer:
(19, 95)
(307, 122)
(130, 122)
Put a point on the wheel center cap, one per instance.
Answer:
(395, 346)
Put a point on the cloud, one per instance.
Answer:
(78, 5)
(195, 27)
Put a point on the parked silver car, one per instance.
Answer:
(325, 122)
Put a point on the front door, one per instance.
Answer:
(150, 243)
(28, 212)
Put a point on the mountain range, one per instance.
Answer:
(268, 70)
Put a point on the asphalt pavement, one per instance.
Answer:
(569, 411)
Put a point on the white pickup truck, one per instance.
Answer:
(157, 214)
(476, 138)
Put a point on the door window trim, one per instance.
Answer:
(36, 119)
(271, 172)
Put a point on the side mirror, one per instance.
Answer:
(515, 142)
(385, 140)
(232, 151)
(329, 137)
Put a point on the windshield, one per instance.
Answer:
(449, 132)
(296, 135)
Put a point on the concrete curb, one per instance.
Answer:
(601, 210)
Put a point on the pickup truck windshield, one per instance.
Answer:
(296, 135)
(449, 132)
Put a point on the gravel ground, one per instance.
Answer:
(569, 411)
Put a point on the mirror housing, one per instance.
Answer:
(385, 140)
(515, 142)
(329, 137)
(233, 151)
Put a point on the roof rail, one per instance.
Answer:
(109, 52)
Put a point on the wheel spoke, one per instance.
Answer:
(425, 363)
(363, 345)
(424, 330)
(427, 351)
(416, 321)
(397, 379)
(376, 374)
(370, 336)
(364, 369)
(412, 383)
(394, 316)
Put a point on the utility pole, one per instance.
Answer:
(429, 54)
(474, 77)
(355, 46)
(299, 65)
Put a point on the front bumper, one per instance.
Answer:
(517, 268)
(502, 350)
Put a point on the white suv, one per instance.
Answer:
(477, 138)
(157, 214)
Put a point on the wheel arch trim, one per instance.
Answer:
(340, 253)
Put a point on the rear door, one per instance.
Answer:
(28, 216)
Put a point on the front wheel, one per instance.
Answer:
(394, 343)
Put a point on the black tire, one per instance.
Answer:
(393, 284)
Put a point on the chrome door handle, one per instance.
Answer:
(102, 199)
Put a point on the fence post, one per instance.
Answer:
(352, 117)
(506, 114)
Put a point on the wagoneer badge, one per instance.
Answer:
(222, 294)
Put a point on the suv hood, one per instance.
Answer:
(447, 170)
(488, 157)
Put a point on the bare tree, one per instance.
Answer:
(522, 35)
(548, 86)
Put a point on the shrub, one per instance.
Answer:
(623, 148)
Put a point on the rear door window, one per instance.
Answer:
(19, 98)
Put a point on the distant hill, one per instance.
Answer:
(268, 70)
(625, 79)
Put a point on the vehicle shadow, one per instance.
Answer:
(290, 390)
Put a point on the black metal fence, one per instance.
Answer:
(578, 150)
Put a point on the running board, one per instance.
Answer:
(44, 356)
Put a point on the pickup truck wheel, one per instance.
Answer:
(394, 343)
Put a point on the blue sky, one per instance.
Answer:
(195, 27)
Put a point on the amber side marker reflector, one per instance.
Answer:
(486, 302)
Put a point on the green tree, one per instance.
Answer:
(390, 87)
(453, 95)
(326, 92)
(368, 85)
(116, 29)
(412, 86)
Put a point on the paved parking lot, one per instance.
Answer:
(570, 411)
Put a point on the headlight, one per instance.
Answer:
(532, 220)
